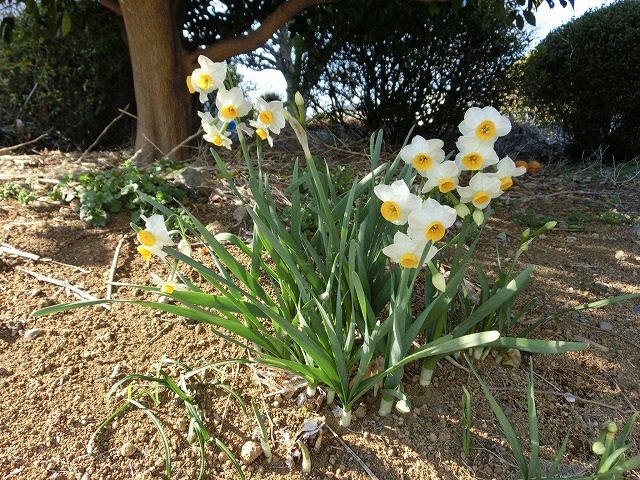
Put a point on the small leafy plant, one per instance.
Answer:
(465, 421)
(22, 194)
(611, 450)
(529, 469)
(613, 217)
(611, 447)
(99, 194)
(136, 390)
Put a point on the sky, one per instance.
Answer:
(547, 19)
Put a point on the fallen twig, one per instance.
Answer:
(560, 394)
(596, 345)
(81, 293)
(621, 337)
(353, 454)
(112, 270)
(186, 140)
(159, 334)
(84, 154)
(6, 248)
(48, 260)
(15, 147)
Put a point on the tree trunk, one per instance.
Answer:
(164, 105)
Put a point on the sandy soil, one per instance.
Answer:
(53, 386)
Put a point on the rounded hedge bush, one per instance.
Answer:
(585, 75)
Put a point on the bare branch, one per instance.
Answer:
(15, 147)
(232, 46)
(112, 5)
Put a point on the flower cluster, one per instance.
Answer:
(428, 220)
(230, 106)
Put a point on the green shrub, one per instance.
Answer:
(65, 80)
(586, 76)
(98, 194)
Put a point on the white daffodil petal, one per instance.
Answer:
(397, 201)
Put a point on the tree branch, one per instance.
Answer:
(237, 45)
(112, 5)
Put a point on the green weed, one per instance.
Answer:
(98, 194)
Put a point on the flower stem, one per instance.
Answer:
(345, 418)
(426, 373)
(331, 394)
(266, 449)
(386, 403)
(311, 389)
(425, 376)
(306, 458)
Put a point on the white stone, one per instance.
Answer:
(250, 452)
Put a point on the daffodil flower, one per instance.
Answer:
(209, 77)
(423, 154)
(397, 201)
(270, 116)
(167, 286)
(214, 135)
(430, 221)
(263, 133)
(485, 124)
(153, 237)
(481, 190)
(407, 251)
(444, 176)
(474, 154)
(231, 104)
(506, 170)
(206, 117)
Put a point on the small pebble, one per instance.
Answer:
(33, 333)
(433, 437)
(605, 326)
(620, 255)
(250, 452)
(128, 449)
(3, 371)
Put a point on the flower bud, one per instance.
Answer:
(598, 448)
(550, 225)
(525, 245)
(478, 217)
(462, 210)
(184, 247)
(299, 100)
(439, 282)
(286, 114)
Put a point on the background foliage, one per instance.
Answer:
(586, 76)
(396, 65)
(66, 74)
